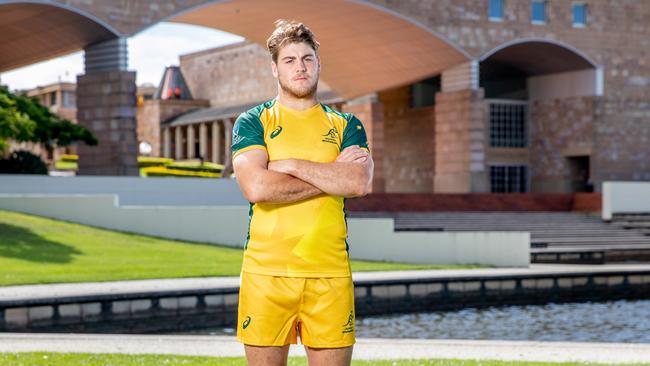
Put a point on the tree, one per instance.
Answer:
(24, 118)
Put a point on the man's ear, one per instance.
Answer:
(274, 69)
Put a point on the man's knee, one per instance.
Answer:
(263, 356)
(329, 356)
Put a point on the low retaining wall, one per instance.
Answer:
(199, 309)
(625, 197)
(132, 191)
(370, 239)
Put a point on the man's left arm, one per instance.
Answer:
(349, 176)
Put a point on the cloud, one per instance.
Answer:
(149, 52)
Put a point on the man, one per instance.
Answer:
(295, 160)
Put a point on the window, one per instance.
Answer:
(69, 99)
(579, 15)
(508, 125)
(508, 178)
(53, 98)
(495, 10)
(423, 93)
(538, 12)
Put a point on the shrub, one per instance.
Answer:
(23, 162)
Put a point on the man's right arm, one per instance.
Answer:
(258, 184)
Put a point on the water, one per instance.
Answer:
(614, 321)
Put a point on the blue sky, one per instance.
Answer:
(149, 52)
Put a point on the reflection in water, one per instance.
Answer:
(614, 321)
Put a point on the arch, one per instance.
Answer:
(522, 41)
(36, 30)
(538, 69)
(365, 47)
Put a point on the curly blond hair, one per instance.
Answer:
(289, 32)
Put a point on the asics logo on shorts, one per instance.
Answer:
(246, 322)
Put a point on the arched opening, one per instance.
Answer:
(539, 107)
(36, 31)
(365, 48)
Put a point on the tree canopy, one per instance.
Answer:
(24, 118)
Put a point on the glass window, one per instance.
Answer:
(538, 12)
(423, 93)
(69, 99)
(495, 9)
(508, 178)
(579, 15)
(53, 98)
(508, 125)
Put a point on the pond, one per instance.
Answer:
(613, 321)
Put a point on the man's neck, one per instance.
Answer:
(299, 104)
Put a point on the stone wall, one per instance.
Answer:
(559, 128)
(107, 107)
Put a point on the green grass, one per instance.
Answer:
(73, 359)
(39, 250)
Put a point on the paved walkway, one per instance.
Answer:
(369, 348)
(115, 287)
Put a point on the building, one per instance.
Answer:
(528, 95)
(546, 104)
(61, 99)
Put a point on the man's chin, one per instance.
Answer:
(301, 93)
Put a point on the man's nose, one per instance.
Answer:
(302, 66)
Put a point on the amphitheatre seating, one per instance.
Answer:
(556, 237)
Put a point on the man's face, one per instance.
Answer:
(297, 69)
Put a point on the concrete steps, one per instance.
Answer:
(556, 237)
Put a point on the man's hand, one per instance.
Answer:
(348, 176)
(353, 154)
(282, 166)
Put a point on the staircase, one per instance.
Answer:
(556, 237)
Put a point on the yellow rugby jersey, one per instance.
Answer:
(305, 238)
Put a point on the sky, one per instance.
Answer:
(149, 52)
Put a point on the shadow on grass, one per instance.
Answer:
(21, 243)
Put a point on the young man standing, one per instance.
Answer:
(295, 161)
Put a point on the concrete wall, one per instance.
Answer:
(370, 239)
(375, 239)
(132, 190)
(625, 197)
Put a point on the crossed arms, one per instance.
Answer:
(284, 181)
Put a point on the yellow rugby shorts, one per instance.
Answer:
(273, 311)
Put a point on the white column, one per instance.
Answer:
(178, 137)
(228, 123)
(216, 142)
(203, 140)
(167, 142)
(190, 141)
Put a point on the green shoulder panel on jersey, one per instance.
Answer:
(248, 129)
(354, 133)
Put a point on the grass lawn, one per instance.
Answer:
(39, 250)
(59, 359)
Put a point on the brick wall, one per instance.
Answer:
(153, 112)
(409, 143)
(460, 142)
(234, 75)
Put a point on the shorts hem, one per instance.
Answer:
(330, 345)
(262, 344)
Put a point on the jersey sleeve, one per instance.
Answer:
(354, 134)
(247, 134)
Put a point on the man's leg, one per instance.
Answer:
(329, 356)
(267, 356)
